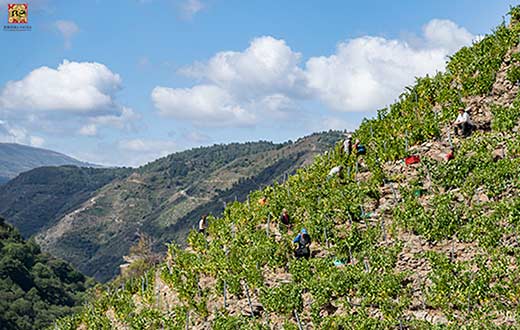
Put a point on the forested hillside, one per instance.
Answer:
(429, 243)
(35, 288)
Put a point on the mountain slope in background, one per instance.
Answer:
(36, 198)
(17, 158)
(91, 217)
(35, 288)
(399, 242)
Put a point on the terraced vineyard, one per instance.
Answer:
(424, 246)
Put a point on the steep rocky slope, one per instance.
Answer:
(428, 244)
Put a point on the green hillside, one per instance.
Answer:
(430, 245)
(35, 288)
(17, 158)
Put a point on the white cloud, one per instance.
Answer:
(191, 7)
(15, 134)
(123, 121)
(205, 104)
(74, 98)
(238, 87)
(442, 33)
(278, 106)
(67, 29)
(368, 72)
(267, 66)
(78, 87)
(268, 80)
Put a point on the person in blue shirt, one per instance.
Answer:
(304, 241)
(360, 149)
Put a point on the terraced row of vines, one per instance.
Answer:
(428, 245)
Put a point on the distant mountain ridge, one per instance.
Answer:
(17, 158)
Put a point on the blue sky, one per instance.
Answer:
(124, 82)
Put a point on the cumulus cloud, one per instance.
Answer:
(67, 29)
(237, 86)
(443, 33)
(78, 87)
(267, 66)
(368, 72)
(267, 78)
(76, 98)
(205, 104)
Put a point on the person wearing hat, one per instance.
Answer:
(463, 124)
(304, 241)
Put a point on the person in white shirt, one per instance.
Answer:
(335, 171)
(463, 124)
(203, 224)
(347, 146)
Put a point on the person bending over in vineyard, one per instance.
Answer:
(463, 123)
(360, 149)
(285, 220)
(304, 241)
(336, 170)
